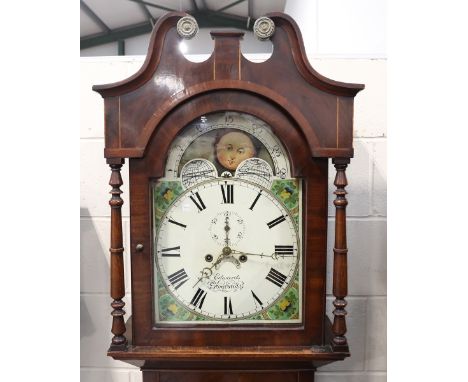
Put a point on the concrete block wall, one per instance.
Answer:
(367, 228)
(366, 225)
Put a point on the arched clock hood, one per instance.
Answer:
(320, 107)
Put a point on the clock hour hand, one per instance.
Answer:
(207, 272)
(226, 254)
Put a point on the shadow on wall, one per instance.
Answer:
(95, 309)
(94, 266)
(87, 327)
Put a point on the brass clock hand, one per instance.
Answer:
(274, 255)
(250, 254)
(227, 229)
(226, 254)
(207, 272)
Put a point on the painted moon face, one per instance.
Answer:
(233, 148)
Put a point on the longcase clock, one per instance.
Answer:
(228, 164)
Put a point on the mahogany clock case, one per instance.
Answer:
(314, 173)
(313, 118)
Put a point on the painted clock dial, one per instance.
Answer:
(227, 249)
(227, 227)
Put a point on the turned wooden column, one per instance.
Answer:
(340, 263)
(117, 284)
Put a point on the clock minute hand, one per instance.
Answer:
(274, 255)
(249, 254)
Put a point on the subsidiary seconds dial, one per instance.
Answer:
(227, 249)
